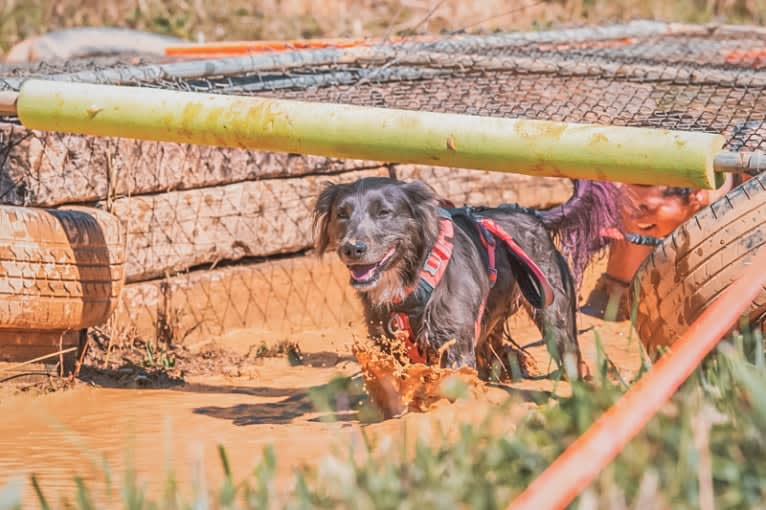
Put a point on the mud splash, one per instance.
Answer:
(397, 388)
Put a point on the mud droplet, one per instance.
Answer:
(398, 387)
(93, 110)
(451, 143)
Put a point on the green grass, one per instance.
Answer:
(707, 440)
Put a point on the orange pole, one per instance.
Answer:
(581, 463)
(756, 57)
(235, 48)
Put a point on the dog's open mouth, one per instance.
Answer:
(364, 275)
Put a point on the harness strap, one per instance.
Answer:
(540, 296)
(441, 253)
(399, 322)
(436, 263)
(489, 244)
(431, 274)
(399, 326)
(613, 233)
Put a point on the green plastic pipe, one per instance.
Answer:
(532, 147)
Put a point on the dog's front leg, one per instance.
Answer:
(456, 348)
(557, 324)
(376, 329)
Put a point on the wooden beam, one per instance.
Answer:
(171, 232)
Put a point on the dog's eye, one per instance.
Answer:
(384, 213)
(342, 214)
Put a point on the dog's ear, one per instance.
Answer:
(424, 204)
(324, 205)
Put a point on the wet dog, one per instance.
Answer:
(449, 278)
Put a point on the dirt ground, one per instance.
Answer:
(241, 396)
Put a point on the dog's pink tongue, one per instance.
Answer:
(362, 273)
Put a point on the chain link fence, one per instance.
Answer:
(218, 238)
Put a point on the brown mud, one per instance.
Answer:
(246, 394)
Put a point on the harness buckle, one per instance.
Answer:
(432, 265)
(396, 324)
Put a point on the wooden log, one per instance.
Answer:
(278, 296)
(19, 346)
(171, 232)
(49, 169)
(472, 187)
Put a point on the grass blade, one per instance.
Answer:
(39, 493)
(83, 498)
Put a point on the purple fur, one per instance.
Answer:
(580, 223)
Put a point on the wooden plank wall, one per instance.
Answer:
(216, 237)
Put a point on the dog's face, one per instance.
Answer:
(381, 229)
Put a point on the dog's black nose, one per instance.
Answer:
(354, 250)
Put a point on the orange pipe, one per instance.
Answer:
(235, 48)
(754, 57)
(582, 462)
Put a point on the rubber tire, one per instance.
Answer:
(60, 269)
(699, 260)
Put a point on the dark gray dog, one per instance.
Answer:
(449, 278)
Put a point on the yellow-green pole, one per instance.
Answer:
(532, 147)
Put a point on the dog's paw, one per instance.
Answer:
(585, 373)
(528, 364)
(516, 364)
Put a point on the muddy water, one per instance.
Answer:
(69, 433)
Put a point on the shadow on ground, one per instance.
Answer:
(337, 401)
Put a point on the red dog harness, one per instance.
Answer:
(435, 266)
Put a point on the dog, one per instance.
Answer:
(449, 278)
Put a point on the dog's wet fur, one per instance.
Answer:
(383, 230)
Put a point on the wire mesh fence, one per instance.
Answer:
(216, 235)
